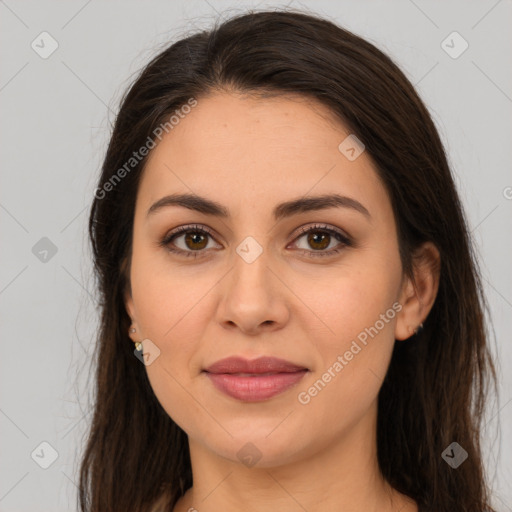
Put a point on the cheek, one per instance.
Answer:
(349, 374)
(359, 309)
(174, 308)
(170, 312)
(165, 294)
(352, 298)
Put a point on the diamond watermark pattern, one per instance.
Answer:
(454, 45)
(249, 455)
(44, 455)
(44, 45)
(249, 249)
(149, 352)
(44, 250)
(454, 455)
(351, 147)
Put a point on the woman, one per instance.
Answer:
(292, 315)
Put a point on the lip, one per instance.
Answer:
(263, 364)
(254, 380)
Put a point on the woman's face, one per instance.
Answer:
(329, 301)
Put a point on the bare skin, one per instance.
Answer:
(250, 155)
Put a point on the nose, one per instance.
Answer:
(253, 297)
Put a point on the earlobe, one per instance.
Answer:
(128, 302)
(419, 294)
(404, 327)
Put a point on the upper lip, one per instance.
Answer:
(262, 364)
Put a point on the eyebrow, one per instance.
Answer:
(281, 211)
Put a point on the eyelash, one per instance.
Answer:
(345, 241)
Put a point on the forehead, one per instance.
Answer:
(279, 124)
(243, 150)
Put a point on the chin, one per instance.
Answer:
(259, 446)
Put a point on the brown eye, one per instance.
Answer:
(319, 238)
(318, 241)
(187, 241)
(195, 241)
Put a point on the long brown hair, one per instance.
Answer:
(435, 389)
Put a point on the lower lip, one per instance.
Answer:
(255, 388)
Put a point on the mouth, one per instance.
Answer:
(256, 380)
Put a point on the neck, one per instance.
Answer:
(343, 476)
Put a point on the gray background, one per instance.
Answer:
(56, 115)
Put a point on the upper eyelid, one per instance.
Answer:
(319, 226)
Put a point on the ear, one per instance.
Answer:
(128, 299)
(130, 309)
(418, 295)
